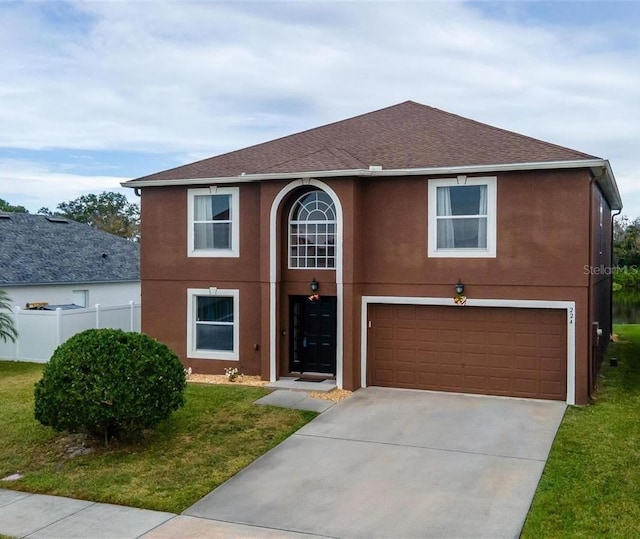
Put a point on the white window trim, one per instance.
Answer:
(289, 245)
(492, 212)
(234, 252)
(192, 351)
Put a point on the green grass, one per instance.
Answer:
(591, 484)
(217, 433)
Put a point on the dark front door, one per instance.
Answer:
(313, 334)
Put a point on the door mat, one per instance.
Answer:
(304, 379)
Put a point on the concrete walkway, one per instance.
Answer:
(54, 517)
(398, 463)
(383, 463)
(299, 400)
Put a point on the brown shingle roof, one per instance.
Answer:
(407, 135)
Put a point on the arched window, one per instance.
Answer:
(312, 231)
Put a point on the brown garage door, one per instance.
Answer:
(488, 350)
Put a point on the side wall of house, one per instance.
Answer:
(600, 280)
(96, 293)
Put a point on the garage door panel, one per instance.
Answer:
(384, 334)
(553, 341)
(403, 313)
(449, 336)
(498, 337)
(384, 375)
(451, 381)
(499, 383)
(451, 358)
(525, 339)
(498, 361)
(528, 388)
(471, 359)
(551, 364)
(475, 337)
(427, 335)
(550, 388)
(384, 312)
(427, 357)
(475, 383)
(405, 334)
(498, 351)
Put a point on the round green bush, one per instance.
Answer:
(107, 382)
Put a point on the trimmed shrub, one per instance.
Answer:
(107, 382)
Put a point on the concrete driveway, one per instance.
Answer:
(397, 463)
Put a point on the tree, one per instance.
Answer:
(108, 211)
(5, 206)
(626, 242)
(8, 330)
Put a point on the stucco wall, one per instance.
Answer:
(543, 244)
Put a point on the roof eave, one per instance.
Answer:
(599, 167)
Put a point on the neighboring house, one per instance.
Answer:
(387, 212)
(62, 262)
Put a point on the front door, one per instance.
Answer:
(313, 335)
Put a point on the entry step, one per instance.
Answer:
(294, 384)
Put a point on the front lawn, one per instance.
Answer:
(217, 433)
(591, 484)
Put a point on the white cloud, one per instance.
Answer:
(36, 186)
(206, 77)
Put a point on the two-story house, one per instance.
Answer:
(407, 247)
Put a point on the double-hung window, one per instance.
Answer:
(213, 227)
(212, 323)
(462, 217)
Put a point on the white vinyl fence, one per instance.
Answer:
(41, 332)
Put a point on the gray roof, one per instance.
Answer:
(36, 249)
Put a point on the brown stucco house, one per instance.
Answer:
(385, 214)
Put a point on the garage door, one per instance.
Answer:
(487, 350)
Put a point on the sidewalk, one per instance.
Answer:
(39, 516)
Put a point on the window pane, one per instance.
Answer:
(221, 235)
(221, 207)
(202, 207)
(462, 200)
(211, 337)
(203, 236)
(214, 309)
(462, 233)
(212, 207)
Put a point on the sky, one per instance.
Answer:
(96, 93)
